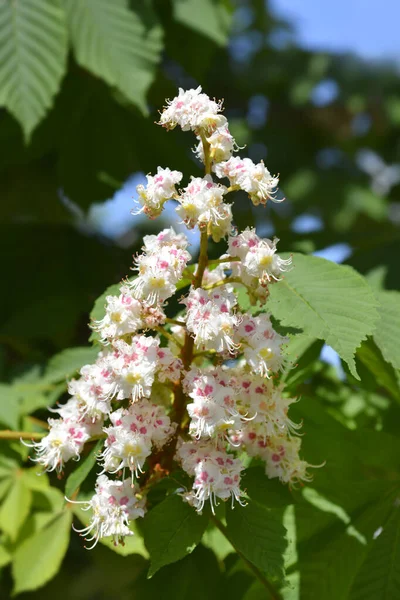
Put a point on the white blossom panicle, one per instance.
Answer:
(259, 397)
(65, 441)
(134, 367)
(166, 237)
(95, 388)
(258, 258)
(211, 320)
(216, 474)
(114, 505)
(159, 189)
(203, 387)
(169, 366)
(133, 433)
(201, 204)
(222, 145)
(159, 268)
(281, 455)
(123, 316)
(213, 408)
(262, 345)
(193, 110)
(255, 179)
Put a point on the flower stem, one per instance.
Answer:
(168, 335)
(224, 282)
(206, 151)
(179, 405)
(203, 260)
(275, 595)
(175, 322)
(219, 261)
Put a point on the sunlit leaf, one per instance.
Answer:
(39, 557)
(33, 39)
(328, 301)
(171, 530)
(119, 45)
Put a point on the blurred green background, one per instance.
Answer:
(324, 118)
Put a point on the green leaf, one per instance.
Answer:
(36, 480)
(269, 493)
(387, 333)
(195, 577)
(5, 557)
(257, 592)
(15, 508)
(29, 391)
(217, 542)
(385, 375)
(79, 475)
(5, 485)
(211, 18)
(65, 364)
(117, 44)
(39, 557)
(331, 559)
(171, 530)
(329, 301)
(258, 533)
(379, 576)
(33, 39)
(303, 353)
(9, 406)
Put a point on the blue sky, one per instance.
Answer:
(369, 28)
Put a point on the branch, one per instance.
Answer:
(7, 434)
(219, 261)
(175, 322)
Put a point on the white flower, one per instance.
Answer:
(169, 366)
(221, 144)
(191, 109)
(132, 435)
(65, 440)
(123, 315)
(281, 455)
(262, 346)
(269, 408)
(201, 203)
(71, 410)
(159, 189)
(134, 367)
(211, 320)
(213, 410)
(255, 179)
(166, 237)
(217, 474)
(114, 505)
(125, 449)
(146, 419)
(258, 256)
(159, 272)
(95, 389)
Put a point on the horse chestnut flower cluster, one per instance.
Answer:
(199, 390)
